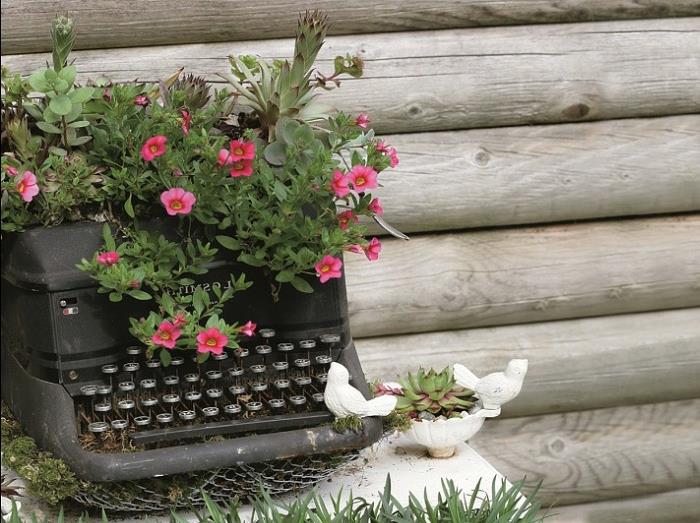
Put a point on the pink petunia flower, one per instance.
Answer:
(344, 219)
(224, 158)
(211, 340)
(186, 122)
(166, 335)
(362, 178)
(393, 157)
(153, 148)
(108, 258)
(177, 201)
(11, 171)
(356, 248)
(329, 267)
(362, 120)
(179, 320)
(376, 207)
(241, 168)
(381, 146)
(242, 150)
(339, 184)
(248, 329)
(142, 100)
(27, 186)
(373, 249)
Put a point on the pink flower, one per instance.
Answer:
(107, 94)
(11, 171)
(376, 207)
(373, 249)
(363, 178)
(388, 151)
(108, 258)
(389, 388)
(153, 148)
(179, 320)
(177, 201)
(211, 340)
(27, 186)
(142, 100)
(339, 184)
(248, 329)
(242, 150)
(344, 219)
(381, 146)
(241, 168)
(186, 122)
(357, 249)
(224, 158)
(166, 335)
(362, 120)
(329, 267)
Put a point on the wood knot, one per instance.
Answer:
(615, 293)
(542, 305)
(482, 158)
(414, 110)
(576, 111)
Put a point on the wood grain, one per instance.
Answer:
(520, 275)
(600, 454)
(487, 77)
(677, 506)
(617, 360)
(126, 23)
(516, 175)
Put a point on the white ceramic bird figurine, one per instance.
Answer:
(344, 400)
(495, 389)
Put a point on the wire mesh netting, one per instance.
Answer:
(185, 490)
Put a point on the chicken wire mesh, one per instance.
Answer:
(221, 485)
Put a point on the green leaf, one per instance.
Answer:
(48, 128)
(275, 153)
(129, 208)
(115, 296)
(50, 75)
(229, 243)
(302, 285)
(58, 151)
(75, 112)
(78, 124)
(108, 238)
(82, 94)
(139, 294)
(80, 140)
(68, 74)
(250, 260)
(61, 105)
(202, 357)
(49, 116)
(284, 276)
(198, 300)
(61, 86)
(285, 129)
(165, 357)
(280, 190)
(38, 81)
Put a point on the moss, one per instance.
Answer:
(395, 421)
(49, 478)
(19, 452)
(353, 423)
(10, 426)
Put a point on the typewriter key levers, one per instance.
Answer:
(269, 384)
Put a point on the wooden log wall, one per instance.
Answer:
(550, 180)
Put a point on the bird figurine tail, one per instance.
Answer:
(380, 406)
(464, 377)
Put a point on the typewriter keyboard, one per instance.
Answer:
(272, 385)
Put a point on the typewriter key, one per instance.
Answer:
(317, 397)
(149, 402)
(153, 364)
(235, 372)
(131, 368)
(322, 377)
(187, 415)
(103, 407)
(214, 375)
(259, 387)
(302, 363)
(307, 345)
(88, 390)
(253, 406)
(302, 381)
(193, 395)
(177, 361)
(276, 403)
(142, 421)
(219, 357)
(266, 334)
(324, 359)
(192, 378)
(263, 349)
(171, 399)
(103, 390)
(236, 390)
(282, 384)
(148, 383)
(126, 386)
(98, 427)
(280, 366)
(210, 412)
(110, 370)
(165, 418)
(285, 347)
(119, 424)
(232, 409)
(330, 341)
(171, 381)
(258, 369)
(126, 405)
(297, 401)
(242, 352)
(214, 394)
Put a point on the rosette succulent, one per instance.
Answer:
(433, 392)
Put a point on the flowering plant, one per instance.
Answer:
(261, 168)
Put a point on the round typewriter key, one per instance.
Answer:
(193, 395)
(285, 347)
(259, 387)
(171, 398)
(149, 402)
(279, 366)
(267, 333)
(276, 403)
(282, 384)
(302, 363)
(164, 417)
(103, 390)
(177, 361)
(322, 377)
(329, 338)
(302, 381)
(307, 344)
(126, 386)
(192, 378)
(148, 383)
(126, 404)
(234, 372)
(171, 380)
(214, 393)
(88, 390)
(232, 408)
(153, 364)
(263, 349)
(119, 424)
(214, 374)
(317, 397)
(187, 415)
(98, 426)
(297, 400)
(323, 359)
(103, 406)
(142, 421)
(253, 406)
(131, 367)
(110, 369)
(236, 389)
(210, 411)
(242, 352)
(134, 350)
(258, 369)
(220, 357)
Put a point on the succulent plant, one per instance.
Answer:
(194, 92)
(433, 392)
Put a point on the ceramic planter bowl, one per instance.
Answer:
(440, 436)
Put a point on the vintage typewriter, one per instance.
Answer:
(79, 385)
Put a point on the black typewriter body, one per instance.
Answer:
(79, 383)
